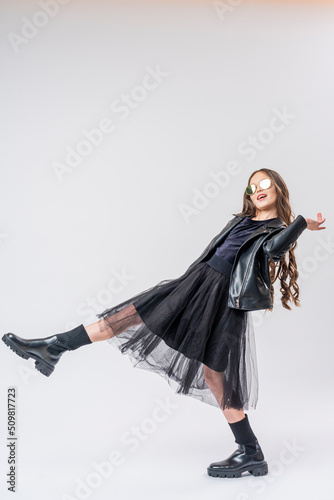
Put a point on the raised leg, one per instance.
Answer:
(111, 326)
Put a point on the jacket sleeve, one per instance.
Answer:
(277, 246)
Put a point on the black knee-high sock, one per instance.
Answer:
(70, 340)
(244, 434)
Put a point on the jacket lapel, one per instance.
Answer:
(265, 228)
(216, 240)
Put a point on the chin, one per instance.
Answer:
(268, 204)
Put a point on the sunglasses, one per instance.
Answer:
(264, 184)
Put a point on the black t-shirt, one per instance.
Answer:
(237, 236)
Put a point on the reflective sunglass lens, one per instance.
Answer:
(265, 183)
(250, 189)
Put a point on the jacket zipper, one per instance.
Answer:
(265, 284)
(242, 284)
(250, 237)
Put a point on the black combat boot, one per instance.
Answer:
(47, 351)
(248, 457)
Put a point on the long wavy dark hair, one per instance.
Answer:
(287, 266)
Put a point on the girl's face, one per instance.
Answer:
(267, 202)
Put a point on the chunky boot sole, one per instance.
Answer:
(255, 470)
(40, 365)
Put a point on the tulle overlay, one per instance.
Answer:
(183, 330)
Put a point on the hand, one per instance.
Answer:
(313, 225)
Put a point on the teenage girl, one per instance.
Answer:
(196, 330)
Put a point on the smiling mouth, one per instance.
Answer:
(262, 197)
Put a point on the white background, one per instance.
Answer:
(122, 208)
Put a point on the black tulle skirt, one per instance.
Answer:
(183, 330)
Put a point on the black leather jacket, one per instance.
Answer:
(249, 287)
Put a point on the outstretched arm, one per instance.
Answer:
(277, 246)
